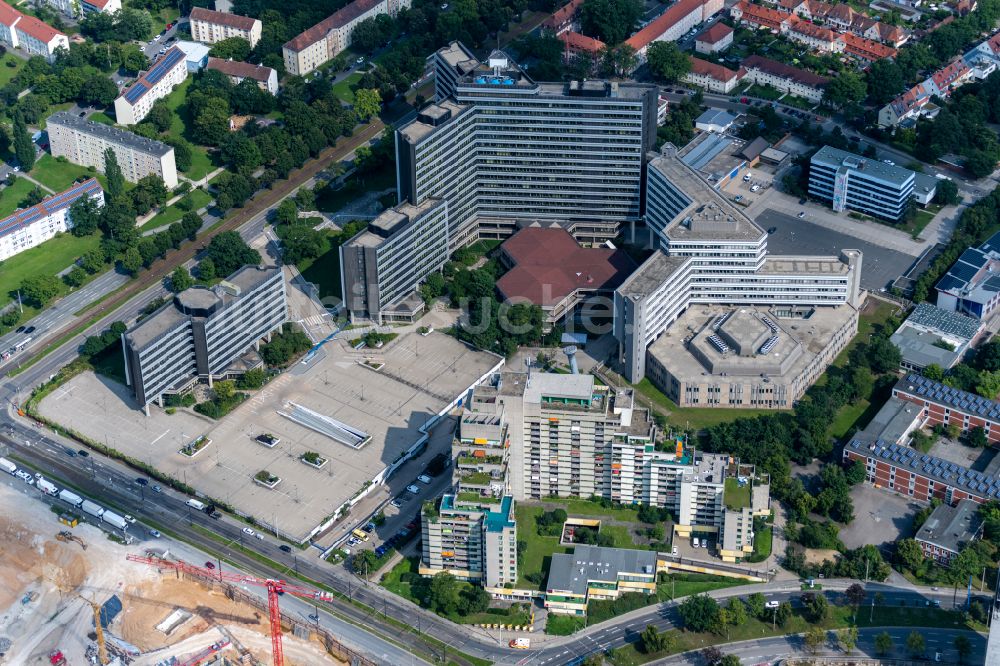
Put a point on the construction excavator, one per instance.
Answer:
(67, 536)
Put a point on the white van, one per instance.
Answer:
(195, 504)
(694, 542)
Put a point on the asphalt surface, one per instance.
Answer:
(800, 236)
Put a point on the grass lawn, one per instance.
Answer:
(331, 201)
(762, 542)
(923, 217)
(840, 617)
(343, 88)
(60, 175)
(10, 197)
(735, 495)
(538, 556)
(693, 418)
(798, 102)
(763, 92)
(623, 537)
(685, 585)
(847, 417)
(6, 71)
(201, 163)
(324, 272)
(564, 625)
(49, 258)
(171, 214)
(101, 117)
(582, 507)
(163, 17)
(873, 317)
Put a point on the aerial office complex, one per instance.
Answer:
(33, 226)
(84, 142)
(169, 71)
(322, 42)
(592, 573)
(23, 31)
(203, 333)
(852, 182)
(971, 286)
(577, 164)
(209, 26)
(710, 253)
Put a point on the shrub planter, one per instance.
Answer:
(264, 478)
(268, 440)
(313, 460)
(372, 365)
(195, 447)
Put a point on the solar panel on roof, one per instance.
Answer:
(924, 458)
(135, 93)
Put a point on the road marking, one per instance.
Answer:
(160, 437)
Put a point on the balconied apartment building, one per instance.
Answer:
(166, 73)
(710, 253)
(25, 32)
(209, 27)
(325, 40)
(33, 226)
(204, 333)
(501, 148)
(84, 142)
(81, 8)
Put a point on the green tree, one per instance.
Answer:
(363, 562)
(92, 261)
(915, 643)
(756, 605)
(286, 213)
(443, 593)
(737, 612)
(885, 81)
(610, 21)
(180, 279)
(934, 371)
(653, 640)
(783, 614)
(667, 62)
(114, 175)
(231, 48)
(815, 607)
(844, 89)
(855, 594)
(133, 60)
(909, 554)
(473, 599)
(38, 291)
(814, 639)
(211, 124)
(617, 61)
(206, 269)
(224, 390)
(730, 660)
(848, 639)
(883, 644)
(75, 277)
(989, 384)
(977, 437)
(131, 261)
(946, 193)
(24, 147)
(963, 646)
(229, 252)
(85, 215)
(699, 612)
(367, 103)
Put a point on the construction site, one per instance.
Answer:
(69, 595)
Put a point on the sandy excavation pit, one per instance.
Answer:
(57, 576)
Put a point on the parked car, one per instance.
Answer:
(353, 541)
(395, 502)
(209, 565)
(413, 489)
(802, 214)
(423, 478)
(673, 551)
(771, 604)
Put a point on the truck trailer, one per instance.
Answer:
(114, 520)
(96, 510)
(7, 466)
(47, 487)
(70, 498)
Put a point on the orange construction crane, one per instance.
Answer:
(275, 588)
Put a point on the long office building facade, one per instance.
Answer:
(851, 182)
(709, 251)
(84, 142)
(202, 332)
(500, 147)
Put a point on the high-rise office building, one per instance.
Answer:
(84, 142)
(202, 333)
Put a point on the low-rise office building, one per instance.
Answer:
(166, 73)
(265, 77)
(325, 40)
(971, 286)
(33, 226)
(25, 32)
(933, 335)
(382, 266)
(209, 27)
(592, 573)
(84, 142)
(948, 530)
(852, 182)
(203, 332)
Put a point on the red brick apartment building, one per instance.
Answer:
(948, 406)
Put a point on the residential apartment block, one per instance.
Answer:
(33, 226)
(761, 17)
(712, 77)
(265, 77)
(25, 32)
(81, 8)
(166, 73)
(710, 253)
(718, 37)
(209, 27)
(792, 80)
(852, 182)
(673, 23)
(84, 142)
(971, 286)
(322, 42)
(382, 266)
(204, 334)
(948, 530)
